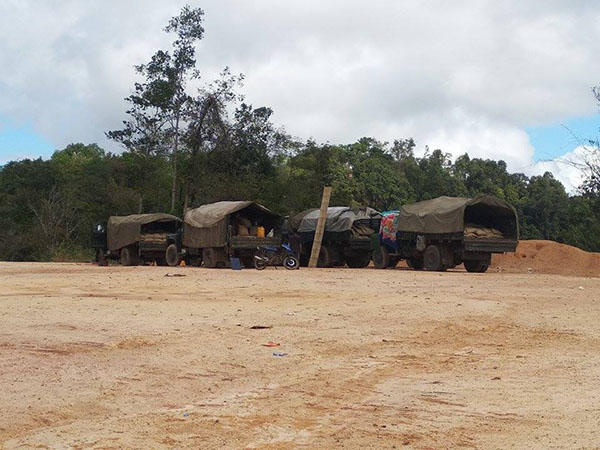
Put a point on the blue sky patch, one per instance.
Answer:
(20, 142)
(557, 139)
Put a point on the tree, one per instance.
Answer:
(481, 176)
(433, 176)
(590, 161)
(209, 131)
(23, 185)
(545, 214)
(589, 164)
(58, 219)
(312, 167)
(160, 106)
(380, 182)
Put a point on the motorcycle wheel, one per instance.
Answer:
(291, 263)
(259, 263)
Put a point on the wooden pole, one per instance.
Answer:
(316, 247)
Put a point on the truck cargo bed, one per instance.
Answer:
(153, 246)
(254, 241)
(490, 245)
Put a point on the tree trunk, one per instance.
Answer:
(186, 200)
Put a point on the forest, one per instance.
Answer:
(186, 143)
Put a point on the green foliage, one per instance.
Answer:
(47, 207)
(160, 106)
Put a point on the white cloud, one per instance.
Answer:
(568, 169)
(458, 132)
(462, 76)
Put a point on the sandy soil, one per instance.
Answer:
(103, 358)
(548, 257)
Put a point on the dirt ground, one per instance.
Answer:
(548, 257)
(114, 357)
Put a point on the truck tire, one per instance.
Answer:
(432, 258)
(358, 261)
(325, 257)
(247, 261)
(195, 261)
(101, 257)
(304, 258)
(476, 266)
(129, 257)
(335, 256)
(209, 256)
(416, 262)
(172, 255)
(381, 257)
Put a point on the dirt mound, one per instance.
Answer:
(548, 257)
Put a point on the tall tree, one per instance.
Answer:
(160, 106)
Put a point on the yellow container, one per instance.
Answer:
(260, 232)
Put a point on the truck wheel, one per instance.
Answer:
(128, 257)
(209, 256)
(136, 260)
(476, 266)
(101, 257)
(325, 257)
(195, 261)
(247, 261)
(416, 262)
(432, 258)
(381, 257)
(335, 256)
(304, 258)
(172, 255)
(359, 261)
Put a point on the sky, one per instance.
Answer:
(505, 80)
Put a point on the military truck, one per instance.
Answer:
(444, 232)
(346, 239)
(217, 232)
(137, 239)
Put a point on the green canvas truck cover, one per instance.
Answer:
(206, 226)
(450, 214)
(125, 230)
(339, 218)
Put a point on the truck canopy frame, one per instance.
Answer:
(339, 219)
(126, 230)
(452, 214)
(207, 225)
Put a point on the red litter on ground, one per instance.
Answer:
(271, 344)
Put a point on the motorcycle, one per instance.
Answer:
(276, 256)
